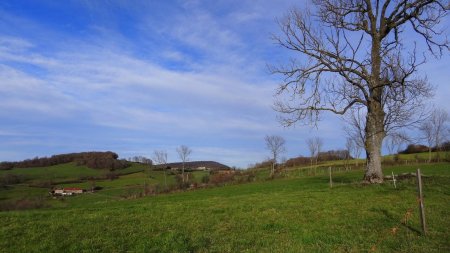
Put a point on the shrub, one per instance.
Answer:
(205, 179)
(6, 165)
(111, 175)
(221, 178)
(23, 204)
(396, 157)
(413, 148)
(180, 184)
(9, 179)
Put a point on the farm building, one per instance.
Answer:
(67, 191)
(196, 166)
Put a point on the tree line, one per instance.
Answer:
(94, 160)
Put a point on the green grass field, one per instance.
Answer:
(297, 213)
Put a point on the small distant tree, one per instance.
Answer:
(92, 185)
(354, 129)
(314, 146)
(434, 129)
(160, 157)
(183, 152)
(349, 147)
(395, 141)
(275, 144)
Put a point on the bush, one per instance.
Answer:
(43, 184)
(221, 178)
(180, 184)
(413, 148)
(23, 204)
(205, 179)
(298, 161)
(6, 165)
(111, 176)
(397, 158)
(9, 179)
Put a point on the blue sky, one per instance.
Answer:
(135, 76)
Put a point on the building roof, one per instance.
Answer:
(72, 189)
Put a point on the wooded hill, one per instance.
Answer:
(94, 160)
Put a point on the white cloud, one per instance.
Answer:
(194, 74)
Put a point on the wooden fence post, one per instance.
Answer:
(394, 180)
(421, 205)
(331, 180)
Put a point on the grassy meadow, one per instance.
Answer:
(297, 212)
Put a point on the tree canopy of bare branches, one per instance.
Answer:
(395, 140)
(434, 129)
(314, 146)
(352, 56)
(275, 144)
(184, 152)
(160, 157)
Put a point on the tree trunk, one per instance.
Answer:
(182, 173)
(165, 178)
(374, 139)
(375, 114)
(429, 154)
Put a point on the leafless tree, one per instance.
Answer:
(183, 152)
(354, 57)
(354, 129)
(314, 146)
(275, 144)
(440, 118)
(355, 126)
(350, 148)
(395, 140)
(160, 157)
(427, 131)
(433, 130)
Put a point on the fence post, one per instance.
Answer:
(394, 180)
(331, 180)
(421, 205)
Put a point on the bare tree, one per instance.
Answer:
(395, 140)
(354, 57)
(314, 146)
(355, 130)
(183, 152)
(275, 144)
(312, 149)
(160, 157)
(433, 129)
(349, 147)
(427, 131)
(440, 118)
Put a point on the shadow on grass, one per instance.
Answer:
(391, 217)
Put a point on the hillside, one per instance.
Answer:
(295, 212)
(287, 215)
(95, 160)
(205, 165)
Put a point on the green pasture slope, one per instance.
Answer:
(37, 180)
(296, 214)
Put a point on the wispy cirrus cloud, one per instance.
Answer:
(111, 75)
(114, 89)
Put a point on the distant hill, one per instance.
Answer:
(95, 160)
(199, 165)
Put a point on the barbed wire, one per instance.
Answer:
(393, 231)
